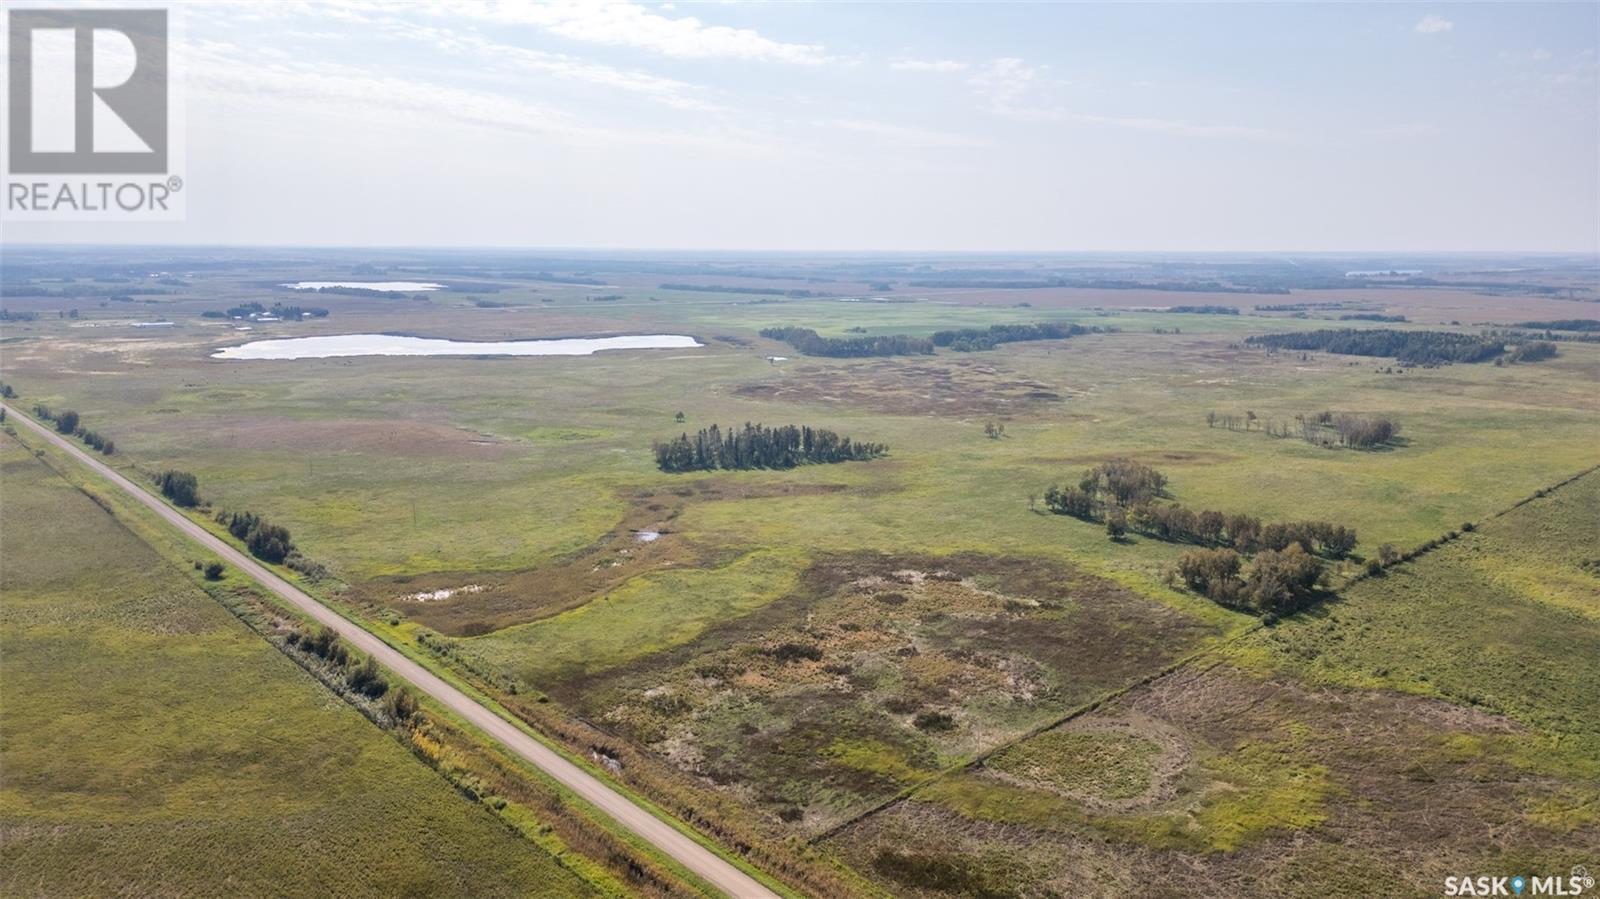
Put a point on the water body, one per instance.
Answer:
(393, 345)
(366, 285)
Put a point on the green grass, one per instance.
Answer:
(156, 745)
(1102, 765)
(1502, 618)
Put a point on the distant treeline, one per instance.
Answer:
(549, 278)
(1564, 324)
(67, 423)
(797, 294)
(809, 342)
(245, 310)
(757, 446)
(969, 340)
(1409, 347)
(1204, 310)
(13, 289)
(1532, 351)
(1097, 284)
(1371, 317)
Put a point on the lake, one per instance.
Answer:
(394, 345)
(366, 285)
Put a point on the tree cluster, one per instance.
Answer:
(1204, 310)
(810, 343)
(361, 674)
(967, 340)
(1532, 351)
(1285, 570)
(1409, 347)
(1279, 581)
(266, 541)
(181, 487)
(288, 313)
(758, 446)
(1324, 428)
(1371, 317)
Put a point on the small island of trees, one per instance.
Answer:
(758, 446)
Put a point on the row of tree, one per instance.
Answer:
(288, 313)
(266, 541)
(1178, 523)
(1409, 347)
(967, 340)
(361, 674)
(810, 343)
(1285, 572)
(1324, 428)
(1204, 310)
(758, 446)
(69, 423)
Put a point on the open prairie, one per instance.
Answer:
(908, 665)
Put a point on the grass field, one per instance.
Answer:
(1437, 719)
(154, 745)
(795, 648)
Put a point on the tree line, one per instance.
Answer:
(69, 423)
(1409, 347)
(1125, 495)
(798, 294)
(266, 541)
(810, 343)
(361, 674)
(1324, 428)
(1204, 310)
(967, 340)
(758, 446)
(245, 310)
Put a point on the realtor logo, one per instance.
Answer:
(112, 116)
(94, 116)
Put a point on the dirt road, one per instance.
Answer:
(702, 861)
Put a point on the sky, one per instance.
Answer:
(886, 126)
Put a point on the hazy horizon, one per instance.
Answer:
(879, 128)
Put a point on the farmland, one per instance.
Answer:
(152, 739)
(905, 664)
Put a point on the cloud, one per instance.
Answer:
(619, 23)
(1008, 85)
(1432, 24)
(227, 74)
(906, 136)
(1179, 128)
(928, 65)
(1541, 54)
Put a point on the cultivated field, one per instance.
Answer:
(155, 745)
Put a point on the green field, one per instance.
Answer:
(155, 745)
(1354, 742)
(888, 646)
